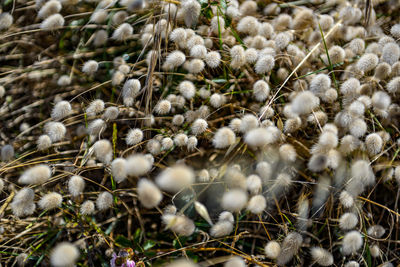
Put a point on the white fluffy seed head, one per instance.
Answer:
(176, 58)
(234, 200)
(390, 53)
(134, 136)
(148, 193)
(226, 216)
(100, 38)
(55, 130)
(123, 32)
(282, 40)
(7, 152)
(304, 102)
(50, 201)
(272, 249)
(195, 66)
(224, 138)
(321, 256)
(61, 110)
(320, 84)
(199, 126)
(336, 55)
(130, 90)
(251, 55)
(213, 59)
(248, 122)
(357, 46)
(260, 90)
(248, 25)
(111, 113)
(235, 124)
(118, 169)
(292, 124)
(234, 178)
(330, 95)
(180, 224)
(44, 142)
(290, 246)
(96, 127)
(104, 201)
(204, 93)
(178, 35)
(217, 100)
(352, 242)
(376, 231)
(35, 175)
(288, 153)
(395, 30)
(236, 261)
(317, 162)
(367, 62)
(328, 139)
(187, 89)
(178, 120)
(192, 143)
(257, 204)
(22, 204)
(95, 107)
(330, 127)
(375, 251)
(264, 64)
(76, 184)
(175, 178)
(397, 175)
(6, 20)
(117, 78)
(103, 151)
(167, 143)
(138, 165)
(49, 8)
(373, 143)
(191, 11)
(180, 140)
(357, 108)
(381, 100)
(163, 107)
(362, 171)
(99, 16)
(24, 195)
(64, 254)
(382, 71)
(394, 85)
(259, 137)
(153, 147)
(221, 228)
(358, 127)
(348, 221)
(352, 264)
(237, 56)
(87, 208)
(90, 67)
(346, 199)
(52, 22)
(254, 184)
(266, 112)
(198, 51)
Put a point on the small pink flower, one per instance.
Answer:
(122, 254)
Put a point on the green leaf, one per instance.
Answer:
(219, 80)
(149, 244)
(122, 241)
